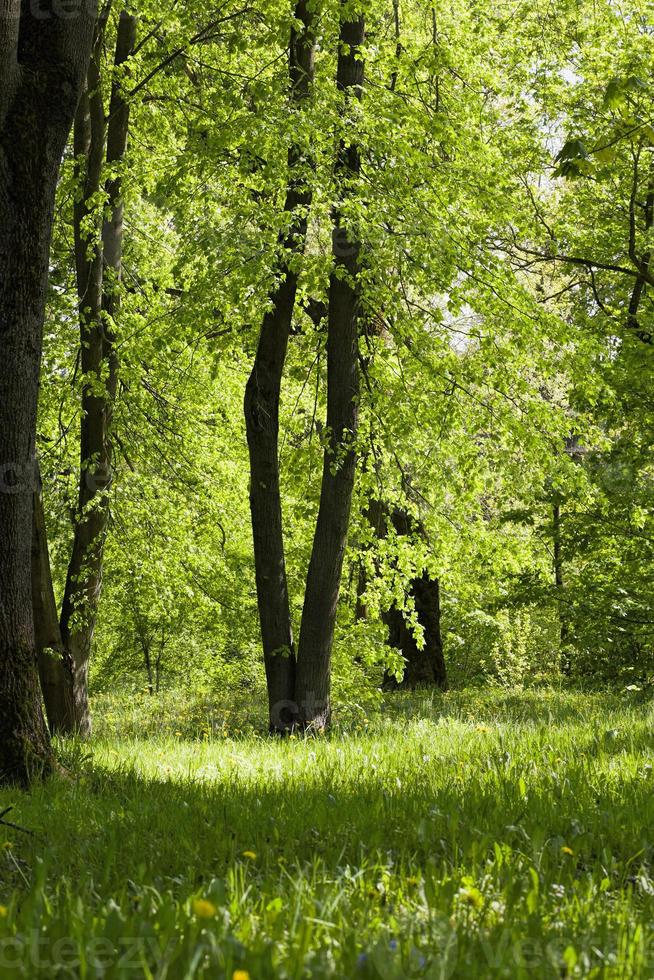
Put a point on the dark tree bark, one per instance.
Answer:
(572, 450)
(43, 60)
(98, 256)
(558, 563)
(559, 584)
(312, 689)
(262, 407)
(426, 666)
(55, 668)
(642, 262)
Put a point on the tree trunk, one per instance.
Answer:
(99, 264)
(55, 667)
(312, 693)
(42, 64)
(261, 407)
(559, 585)
(426, 666)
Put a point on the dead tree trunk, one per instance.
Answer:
(262, 399)
(43, 59)
(312, 689)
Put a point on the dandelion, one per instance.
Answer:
(204, 909)
(240, 975)
(4, 911)
(472, 896)
(567, 850)
(250, 855)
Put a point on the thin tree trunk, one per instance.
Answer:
(42, 65)
(148, 667)
(157, 671)
(261, 407)
(312, 692)
(99, 265)
(55, 667)
(559, 584)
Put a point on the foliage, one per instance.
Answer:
(494, 148)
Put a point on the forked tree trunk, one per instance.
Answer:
(99, 264)
(262, 406)
(312, 687)
(42, 64)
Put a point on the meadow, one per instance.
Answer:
(471, 834)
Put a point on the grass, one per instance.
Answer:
(468, 835)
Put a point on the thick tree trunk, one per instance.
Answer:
(99, 264)
(262, 398)
(42, 64)
(312, 690)
(426, 666)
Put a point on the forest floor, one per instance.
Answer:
(466, 835)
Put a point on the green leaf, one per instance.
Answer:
(614, 94)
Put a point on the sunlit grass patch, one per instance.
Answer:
(462, 835)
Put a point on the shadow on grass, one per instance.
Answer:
(358, 846)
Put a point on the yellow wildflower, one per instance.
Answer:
(251, 855)
(240, 975)
(203, 908)
(4, 911)
(567, 850)
(472, 896)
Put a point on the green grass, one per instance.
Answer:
(470, 835)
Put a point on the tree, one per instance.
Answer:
(312, 691)
(100, 143)
(263, 394)
(419, 641)
(43, 60)
(52, 656)
(98, 260)
(299, 693)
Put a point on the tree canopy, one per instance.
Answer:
(423, 233)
